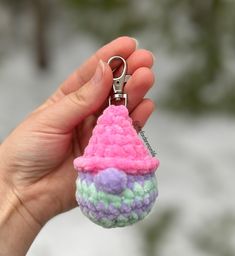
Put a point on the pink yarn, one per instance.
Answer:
(115, 143)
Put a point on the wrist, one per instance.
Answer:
(17, 227)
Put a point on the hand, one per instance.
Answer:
(36, 160)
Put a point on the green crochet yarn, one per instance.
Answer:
(110, 210)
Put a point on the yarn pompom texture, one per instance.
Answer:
(116, 184)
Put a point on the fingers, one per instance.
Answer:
(144, 77)
(138, 65)
(138, 85)
(65, 114)
(122, 46)
(141, 113)
(139, 58)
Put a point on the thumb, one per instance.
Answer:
(73, 108)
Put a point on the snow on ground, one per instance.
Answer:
(196, 175)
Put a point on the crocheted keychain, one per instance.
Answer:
(116, 184)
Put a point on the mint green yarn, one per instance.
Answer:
(110, 210)
(128, 194)
(90, 193)
(138, 189)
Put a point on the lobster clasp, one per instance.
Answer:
(119, 82)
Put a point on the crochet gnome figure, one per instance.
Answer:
(116, 184)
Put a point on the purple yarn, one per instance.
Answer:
(100, 211)
(111, 180)
(138, 203)
(114, 181)
(129, 184)
(139, 212)
(130, 178)
(146, 201)
(100, 206)
(86, 176)
(111, 217)
(91, 206)
(113, 210)
(125, 208)
(152, 195)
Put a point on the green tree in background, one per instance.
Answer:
(202, 29)
(107, 19)
(207, 83)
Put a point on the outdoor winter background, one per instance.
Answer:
(192, 130)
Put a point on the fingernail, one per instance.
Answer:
(99, 72)
(136, 42)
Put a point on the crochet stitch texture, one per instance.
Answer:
(116, 184)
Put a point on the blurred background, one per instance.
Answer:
(192, 131)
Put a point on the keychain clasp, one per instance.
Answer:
(119, 82)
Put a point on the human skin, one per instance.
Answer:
(37, 178)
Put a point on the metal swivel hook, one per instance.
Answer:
(119, 82)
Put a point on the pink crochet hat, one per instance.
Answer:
(115, 143)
